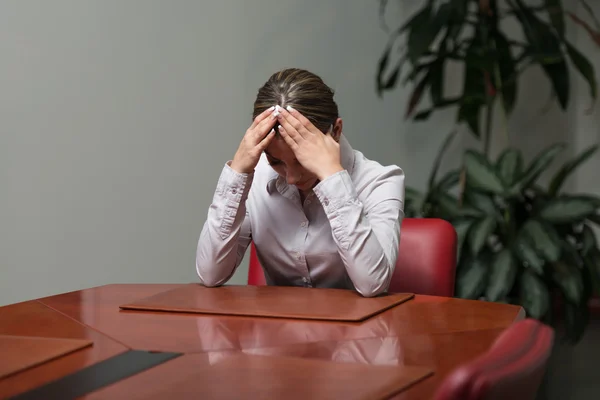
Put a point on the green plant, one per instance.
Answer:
(519, 243)
(472, 32)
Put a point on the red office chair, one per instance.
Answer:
(513, 368)
(426, 261)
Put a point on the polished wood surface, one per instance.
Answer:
(19, 353)
(259, 377)
(270, 301)
(99, 308)
(34, 319)
(433, 332)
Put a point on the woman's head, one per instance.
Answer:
(302, 90)
(309, 95)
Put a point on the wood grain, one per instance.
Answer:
(155, 331)
(441, 352)
(437, 333)
(260, 377)
(270, 301)
(23, 352)
(34, 319)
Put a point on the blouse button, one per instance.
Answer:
(326, 202)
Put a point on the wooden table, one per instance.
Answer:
(435, 332)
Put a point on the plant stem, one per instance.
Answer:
(492, 19)
(488, 125)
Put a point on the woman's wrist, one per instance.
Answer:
(326, 172)
(239, 169)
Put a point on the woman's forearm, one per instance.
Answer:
(226, 233)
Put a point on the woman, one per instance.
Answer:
(319, 213)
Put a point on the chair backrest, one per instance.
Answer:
(256, 276)
(427, 258)
(513, 368)
(426, 261)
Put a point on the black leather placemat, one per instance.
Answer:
(98, 375)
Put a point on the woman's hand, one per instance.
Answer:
(255, 141)
(317, 152)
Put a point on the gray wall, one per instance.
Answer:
(117, 116)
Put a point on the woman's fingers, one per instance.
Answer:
(263, 128)
(263, 144)
(301, 118)
(300, 123)
(288, 139)
(261, 117)
(291, 125)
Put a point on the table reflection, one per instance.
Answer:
(371, 342)
(373, 351)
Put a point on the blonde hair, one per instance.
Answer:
(302, 90)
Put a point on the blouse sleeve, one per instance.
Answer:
(226, 233)
(366, 232)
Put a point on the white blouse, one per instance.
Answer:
(345, 234)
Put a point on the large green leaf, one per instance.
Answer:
(457, 18)
(438, 157)
(555, 12)
(595, 218)
(570, 254)
(480, 173)
(568, 209)
(534, 295)
(424, 114)
(474, 90)
(558, 72)
(588, 240)
(502, 279)
(451, 208)
(480, 232)
(585, 68)
(472, 278)
(469, 112)
(480, 201)
(568, 168)
(437, 81)
(382, 82)
(509, 166)
(425, 29)
(546, 50)
(417, 71)
(537, 166)
(568, 279)
(448, 181)
(525, 252)
(462, 228)
(543, 240)
(417, 94)
(381, 68)
(508, 69)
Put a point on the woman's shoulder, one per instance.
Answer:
(370, 176)
(366, 169)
